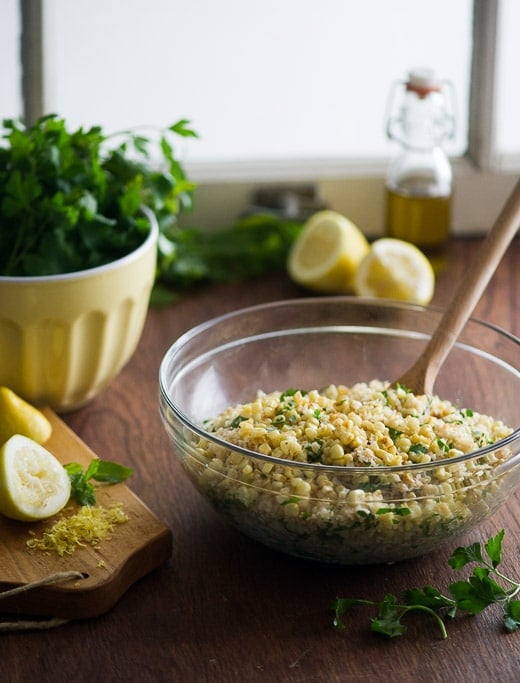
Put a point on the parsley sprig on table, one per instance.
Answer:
(472, 595)
(251, 246)
(105, 471)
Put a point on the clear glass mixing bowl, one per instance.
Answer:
(343, 514)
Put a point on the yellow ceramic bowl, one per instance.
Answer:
(64, 337)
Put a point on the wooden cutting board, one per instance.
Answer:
(135, 548)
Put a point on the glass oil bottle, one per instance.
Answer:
(419, 181)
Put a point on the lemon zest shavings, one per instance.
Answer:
(90, 525)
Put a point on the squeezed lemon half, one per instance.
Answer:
(395, 269)
(33, 483)
(327, 253)
(19, 417)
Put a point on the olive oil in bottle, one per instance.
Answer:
(419, 180)
(423, 220)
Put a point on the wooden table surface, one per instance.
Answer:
(225, 608)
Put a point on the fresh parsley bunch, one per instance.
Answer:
(71, 200)
(473, 595)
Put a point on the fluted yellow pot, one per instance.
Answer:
(64, 337)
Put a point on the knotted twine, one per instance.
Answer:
(37, 624)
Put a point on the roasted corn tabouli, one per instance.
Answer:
(335, 514)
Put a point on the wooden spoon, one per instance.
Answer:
(420, 378)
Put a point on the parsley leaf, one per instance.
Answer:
(237, 420)
(394, 433)
(418, 448)
(403, 387)
(463, 556)
(512, 615)
(476, 593)
(388, 621)
(401, 512)
(290, 392)
(427, 597)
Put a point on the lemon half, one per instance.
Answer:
(327, 252)
(395, 269)
(19, 417)
(33, 483)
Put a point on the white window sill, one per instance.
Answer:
(354, 188)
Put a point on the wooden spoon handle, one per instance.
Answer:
(421, 376)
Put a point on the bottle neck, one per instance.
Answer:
(422, 124)
(419, 134)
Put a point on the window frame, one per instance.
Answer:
(354, 187)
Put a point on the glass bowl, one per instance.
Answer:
(344, 513)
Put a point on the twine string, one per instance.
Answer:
(38, 624)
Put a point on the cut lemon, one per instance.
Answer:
(19, 417)
(395, 269)
(327, 253)
(33, 483)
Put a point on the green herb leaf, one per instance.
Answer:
(252, 246)
(427, 597)
(181, 128)
(476, 593)
(512, 615)
(401, 512)
(443, 445)
(289, 501)
(417, 448)
(81, 489)
(388, 620)
(343, 605)
(473, 595)
(494, 548)
(290, 392)
(237, 420)
(110, 472)
(100, 470)
(464, 555)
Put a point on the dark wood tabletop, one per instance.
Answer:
(226, 609)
